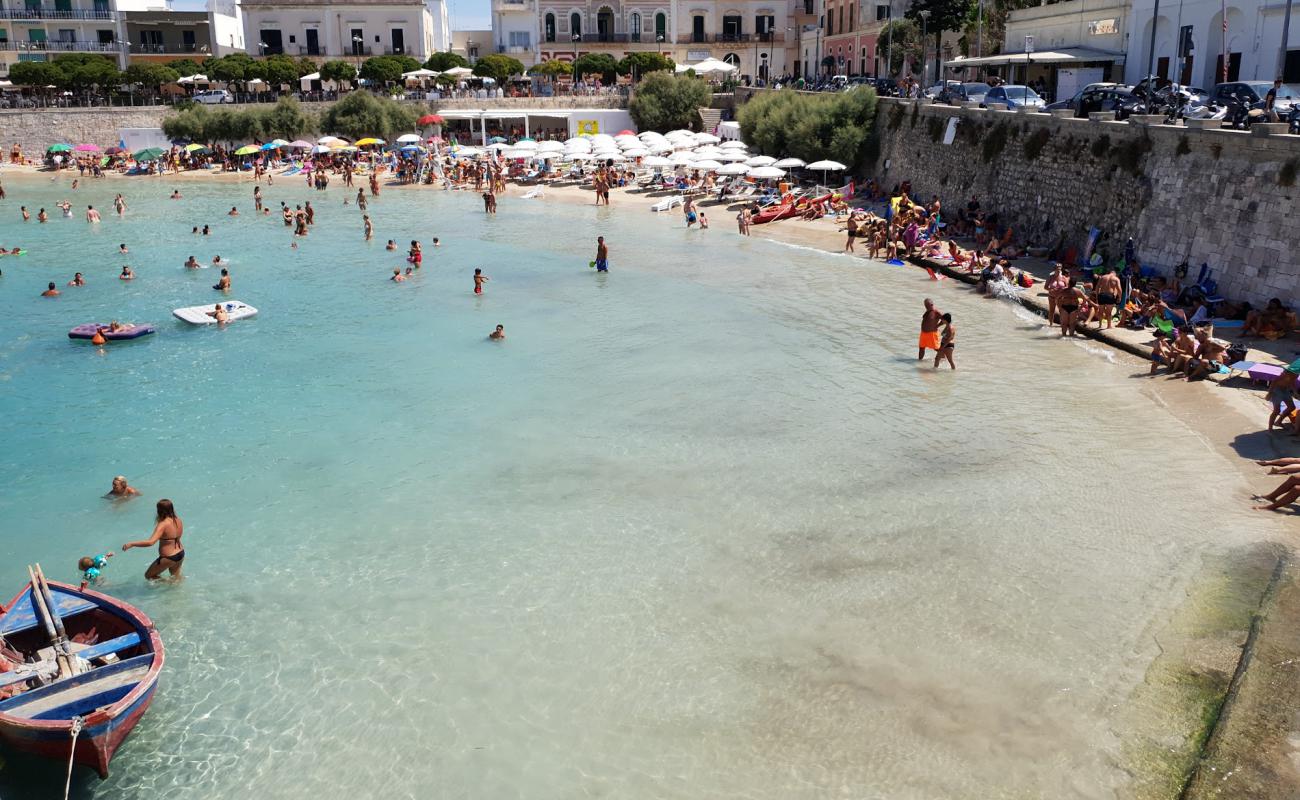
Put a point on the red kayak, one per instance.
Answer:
(74, 664)
(772, 213)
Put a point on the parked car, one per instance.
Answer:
(1014, 96)
(1253, 92)
(957, 93)
(213, 97)
(1100, 97)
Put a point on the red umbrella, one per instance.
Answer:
(112, 151)
(626, 132)
(429, 119)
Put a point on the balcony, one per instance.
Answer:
(737, 38)
(165, 48)
(53, 13)
(60, 47)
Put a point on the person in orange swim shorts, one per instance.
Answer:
(929, 330)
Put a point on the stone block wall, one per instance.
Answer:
(1226, 198)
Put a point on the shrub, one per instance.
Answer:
(364, 114)
(838, 126)
(664, 101)
(441, 62)
(995, 141)
(602, 64)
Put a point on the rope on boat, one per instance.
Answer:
(76, 731)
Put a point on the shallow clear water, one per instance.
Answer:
(700, 527)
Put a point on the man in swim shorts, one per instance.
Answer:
(929, 330)
(479, 279)
(1109, 290)
(223, 285)
(602, 255)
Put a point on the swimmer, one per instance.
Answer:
(436, 243)
(51, 291)
(26, 216)
(479, 280)
(91, 214)
(223, 285)
(193, 263)
(602, 255)
(499, 333)
(75, 183)
(77, 280)
(391, 245)
(167, 533)
(207, 231)
(119, 203)
(127, 274)
(92, 568)
(41, 216)
(233, 212)
(408, 272)
(416, 254)
(176, 194)
(195, 230)
(218, 313)
(266, 212)
(398, 277)
(121, 248)
(370, 229)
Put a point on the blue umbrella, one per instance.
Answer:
(497, 139)
(270, 146)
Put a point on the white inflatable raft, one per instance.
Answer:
(203, 315)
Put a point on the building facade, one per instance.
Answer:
(1195, 44)
(40, 30)
(325, 29)
(851, 37)
(515, 29)
(472, 44)
(758, 36)
(163, 36)
(227, 27)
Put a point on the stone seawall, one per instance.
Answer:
(1226, 198)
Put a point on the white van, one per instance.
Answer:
(213, 97)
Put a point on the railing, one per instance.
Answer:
(737, 38)
(605, 38)
(54, 13)
(183, 47)
(61, 47)
(304, 50)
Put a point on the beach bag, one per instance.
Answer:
(1235, 353)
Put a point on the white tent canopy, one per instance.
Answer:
(710, 66)
(459, 72)
(420, 73)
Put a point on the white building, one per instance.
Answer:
(472, 44)
(40, 31)
(326, 29)
(227, 24)
(441, 25)
(756, 35)
(1192, 47)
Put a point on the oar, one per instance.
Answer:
(49, 600)
(38, 599)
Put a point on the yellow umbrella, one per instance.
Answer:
(370, 140)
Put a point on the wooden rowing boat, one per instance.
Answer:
(86, 658)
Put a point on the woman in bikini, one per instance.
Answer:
(167, 533)
(1070, 300)
(1056, 283)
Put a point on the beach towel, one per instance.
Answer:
(896, 262)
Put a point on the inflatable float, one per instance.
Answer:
(203, 315)
(123, 332)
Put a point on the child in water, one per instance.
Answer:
(92, 568)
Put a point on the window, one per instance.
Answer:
(4, 35)
(731, 28)
(62, 5)
(882, 13)
(830, 22)
(519, 38)
(575, 23)
(69, 35)
(764, 24)
(313, 41)
(270, 41)
(853, 21)
(357, 41)
(634, 26)
(697, 28)
(840, 21)
(399, 40)
(550, 27)
(151, 41)
(661, 27)
(105, 36)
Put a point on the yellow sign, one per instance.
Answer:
(590, 126)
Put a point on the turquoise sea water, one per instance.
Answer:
(700, 527)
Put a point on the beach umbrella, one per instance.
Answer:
(705, 164)
(656, 161)
(636, 152)
(734, 143)
(408, 138)
(148, 154)
(706, 138)
(320, 148)
(731, 156)
(497, 147)
(411, 148)
(580, 156)
(190, 148)
(87, 148)
(546, 147)
(679, 132)
(766, 172)
(827, 166)
(467, 152)
(269, 146)
(420, 73)
(526, 144)
(733, 169)
(246, 150)
(760, 161)
(788, 163)
(370, 140)
(112, 151)
(330, 140)
(497, 140)
(681, 159)
(429, 119)
(626, 132)
(518, 153)
(300, 144)
(458, 72)
(60, 148)
(615, 157)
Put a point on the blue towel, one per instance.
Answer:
(896, 262)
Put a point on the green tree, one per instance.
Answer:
(287, 120)
(900, 40)
(945, 15)
(87, 71)
(382, 70)
(192, 124)
(602, 64)
(441, 62)
(37, 73)
(643, 63)
(229, 69)
(281, 70)
(340, 72)
(552, 69)
(498, 67)
(810, 126)
(185, 66)
(407, 63)
(663, 102)
(365, 114)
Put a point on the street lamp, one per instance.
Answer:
(924, 14)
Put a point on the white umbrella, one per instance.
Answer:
(656, 161)
(467, 152)
(789, 163)
(760, 161)
(420, 73)
(409, 138)
(679, 132)
(498, 146)
(196, 78)
(518, 153)
(636, 152)
(660, 147)
(705, 164)
(578, 141)
(766, 172)
(681, 159)
(579, 156)
(330, 140)
(526, 145)
(549, 145)
(711, 65)
(706, 138)
(320, 148)
(731, 155)
(708, 152)
(733, 169)
(827, 166)
(458, 72)
(733, 144)
(615, 157)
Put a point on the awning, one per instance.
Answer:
(1064, 55)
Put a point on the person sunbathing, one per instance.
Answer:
(1284, 495)
(1273, 322)
(1208, 357)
